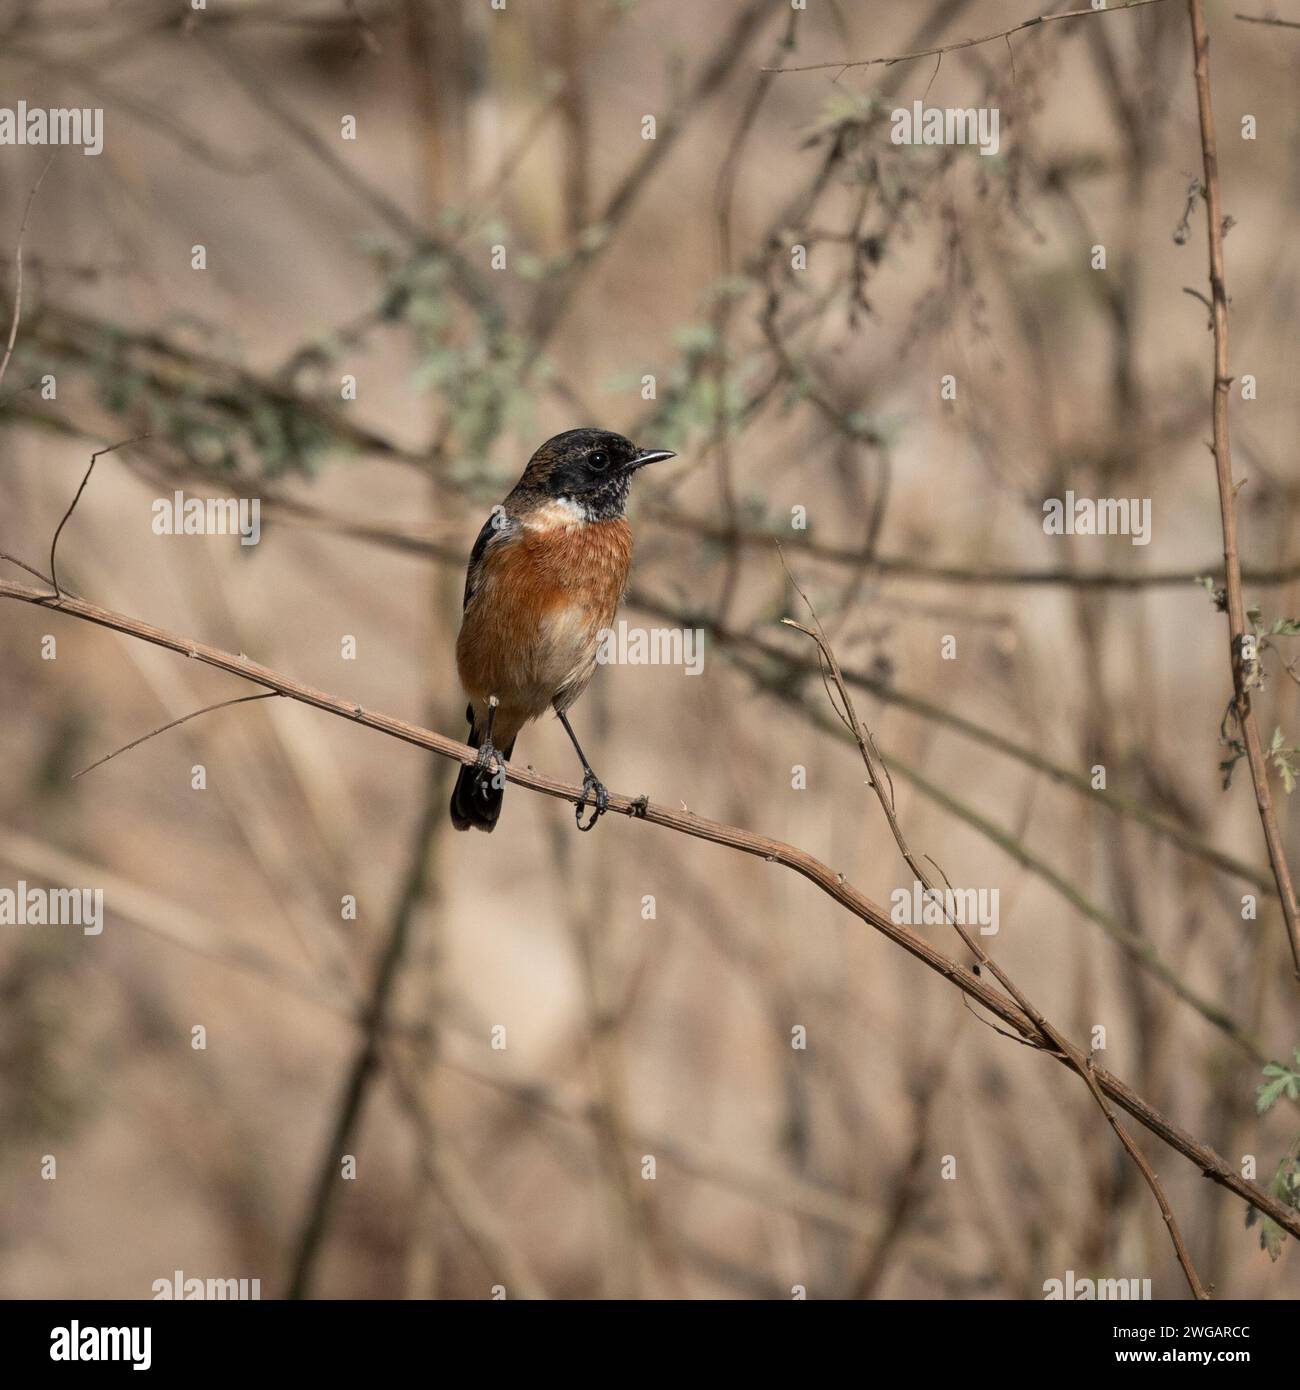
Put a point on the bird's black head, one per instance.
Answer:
(590, 469)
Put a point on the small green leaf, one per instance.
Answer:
(1284, 1082)
(1271, 1236)
(1267, 1095)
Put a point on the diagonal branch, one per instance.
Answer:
(1051, 1038)
(415, 540)
(1269, 19)
(163, 728)
(1135, 943)
(684, 822)
(963, 43)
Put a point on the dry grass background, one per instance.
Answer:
(629, 1037)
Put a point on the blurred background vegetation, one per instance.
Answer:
(648, 286)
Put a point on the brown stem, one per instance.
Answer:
(1051, 1038)
(1242, 639)
(963, 43)
(684, 822)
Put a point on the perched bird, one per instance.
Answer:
(545, 577)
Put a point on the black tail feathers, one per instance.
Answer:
(476, 798)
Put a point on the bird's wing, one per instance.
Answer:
(497, 529)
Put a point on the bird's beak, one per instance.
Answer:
(644, 456)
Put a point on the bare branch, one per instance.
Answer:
(908, 567)
(1241, 635)
(72, 506)
(773, 851)
(18, 270)
(1061, 1047)
(1269, 19)
(962, 43)
(184, 719)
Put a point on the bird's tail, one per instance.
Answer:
(476, 798)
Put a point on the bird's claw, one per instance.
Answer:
(489, 764)
(591, 784)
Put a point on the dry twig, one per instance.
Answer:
(1241, 635)
(941, 49)
(773, 851)
(1053, 1040)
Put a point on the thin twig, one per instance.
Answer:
(1115, 802)
(1137, 944)
(72, 506)
(18, 270)
(415, 539)
(909, 567)
(773, 851)
(31, 569)
(962, 43)
(1241, 635)
(1071, 1055)
(185, 718)
(1268, 19)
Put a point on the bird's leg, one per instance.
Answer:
(486, 750)
(590, 782)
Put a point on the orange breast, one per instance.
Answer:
(531, 631)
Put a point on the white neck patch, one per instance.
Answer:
(560, 511)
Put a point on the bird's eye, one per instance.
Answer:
(599, 459)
